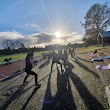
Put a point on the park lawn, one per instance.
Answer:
(90, 49)
(19, 56)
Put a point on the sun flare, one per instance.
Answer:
(58, 34)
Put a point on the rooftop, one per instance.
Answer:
(105, 34)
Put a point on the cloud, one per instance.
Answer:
(10, 35)
(73, 37)
(41, 39)
(34, 26)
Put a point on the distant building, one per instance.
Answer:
(103, 38)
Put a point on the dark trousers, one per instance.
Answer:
(58, 62)
(32, 73)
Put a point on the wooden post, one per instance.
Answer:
(98, 40)
(102, 41)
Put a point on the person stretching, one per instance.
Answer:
(55, 59)
(29, 71)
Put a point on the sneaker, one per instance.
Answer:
(37, 85)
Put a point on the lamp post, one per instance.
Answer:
(81, 28)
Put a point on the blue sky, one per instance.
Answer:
(30, 17)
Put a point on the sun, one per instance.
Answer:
(58, 34)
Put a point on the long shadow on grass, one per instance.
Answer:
(90, 101)
(49, 75)
(20, 92)
(10, 83)
(63, 100)
(26, 103)
(83, 59)
(15, 81)
(85, 67)
(16, 95)
(48, 96)
(44, 64)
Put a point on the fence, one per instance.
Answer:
(15, 67)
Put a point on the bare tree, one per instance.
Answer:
(22, 45)
(9, 44)
(97, 19)
(17, 44)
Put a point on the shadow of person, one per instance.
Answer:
(85, 67)
(63, 100)
(90, 101)
(48, 96)
(32, 94)
(44, 64)
(83, 59)
(15, 95)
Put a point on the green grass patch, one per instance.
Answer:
(19, 56)
(89, 49)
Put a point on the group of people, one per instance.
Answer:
(57, 57)
(61, 56)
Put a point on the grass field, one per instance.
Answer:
(78, 51)
(90, 49)
(19, 56)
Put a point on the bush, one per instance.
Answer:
(89, 41)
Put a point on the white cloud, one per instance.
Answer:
(34, 26)
(10, 35)
(40, 38)
(73, 37)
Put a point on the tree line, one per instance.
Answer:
(16, 47)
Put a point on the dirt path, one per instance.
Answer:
(78, 88)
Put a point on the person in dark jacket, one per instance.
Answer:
(65, 56)
(73, 52)
(70, 52)
(95, 51)
(55, 59)
(29, 71)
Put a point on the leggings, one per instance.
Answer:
(32, 73)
